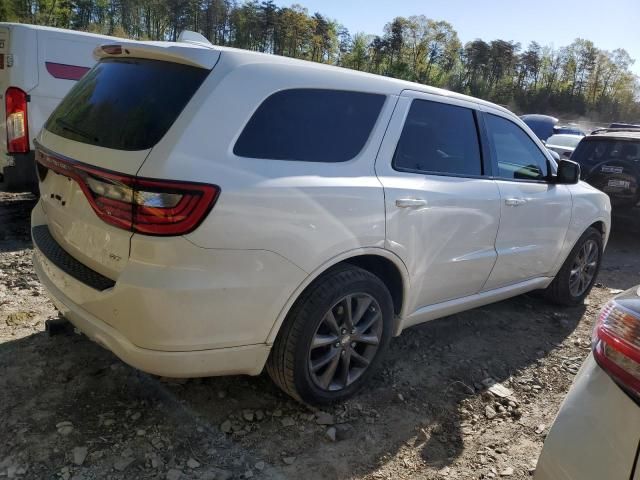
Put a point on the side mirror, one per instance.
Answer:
(568, 172)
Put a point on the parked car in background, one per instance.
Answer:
(596, 434)
(38, 66)
(563, 144)
(545, 126)
(241, 210)
(610, 161)
(624, 125)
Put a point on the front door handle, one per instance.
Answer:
(515, 202)
(411, 203)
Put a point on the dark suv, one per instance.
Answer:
(610, 161)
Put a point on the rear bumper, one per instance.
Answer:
(248, 359)
(175, 309)
(596, 432)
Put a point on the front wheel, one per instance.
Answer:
(332, 340)
(578, 273)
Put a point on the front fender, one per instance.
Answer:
(590, 206)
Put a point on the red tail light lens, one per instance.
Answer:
(142, 205)
(616, 345)
(17, 121)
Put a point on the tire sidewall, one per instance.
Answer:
(367, 283)
(590, 234)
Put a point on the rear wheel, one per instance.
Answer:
(579, 271)
(332, 340)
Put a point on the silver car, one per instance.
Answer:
(596, 434)
(563, 144)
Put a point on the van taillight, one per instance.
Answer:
(616, 345)
(142, 205)
(17, 121)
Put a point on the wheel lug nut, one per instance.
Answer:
(342, 353)
(353, 344)
(337, 345)
(344, 330)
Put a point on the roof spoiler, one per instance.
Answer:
(193, 50)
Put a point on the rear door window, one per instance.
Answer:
(310, 125)
(126, 104)
(517, 155)
(439, 138)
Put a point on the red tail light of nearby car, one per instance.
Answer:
(616, 345)
(142, 205)
(17, 121)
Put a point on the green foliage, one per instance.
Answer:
(578, 79)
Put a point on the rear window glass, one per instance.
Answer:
(126, 104)
(310, 125)
(597, 150)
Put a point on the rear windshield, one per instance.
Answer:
(310, 125)
(125, 104)
(594, 151)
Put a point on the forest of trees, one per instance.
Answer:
(578, 80)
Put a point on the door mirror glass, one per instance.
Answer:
(568, 172)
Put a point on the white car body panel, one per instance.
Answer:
(596, 433)
(225, 287)
(531, 233)
(448, 244)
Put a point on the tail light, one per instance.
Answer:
(17, 121)
(616, 345)
(142, 205)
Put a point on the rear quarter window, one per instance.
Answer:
(310, 125)
(126, 104)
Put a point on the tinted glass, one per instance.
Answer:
(125, 104)
(517, 155)
(598, 150)
(310, 125)
(439, 138)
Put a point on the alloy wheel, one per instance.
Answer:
(584, 268)
(345, 342)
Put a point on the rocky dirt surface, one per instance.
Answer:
(469, 396)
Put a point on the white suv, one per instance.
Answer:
(209, 211)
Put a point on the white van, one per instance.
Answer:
(38, 66)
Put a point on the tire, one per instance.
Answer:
(561, 290)
(294, 365)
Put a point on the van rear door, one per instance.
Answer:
(18, 69)
(4, 84)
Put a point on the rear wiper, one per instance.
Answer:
(67, 126)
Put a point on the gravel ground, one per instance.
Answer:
(71, 410)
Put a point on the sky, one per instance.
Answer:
(608, 24)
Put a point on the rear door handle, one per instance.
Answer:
(515, 202)
(411, 203)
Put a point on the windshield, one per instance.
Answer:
(591, 152)
(126, 104)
